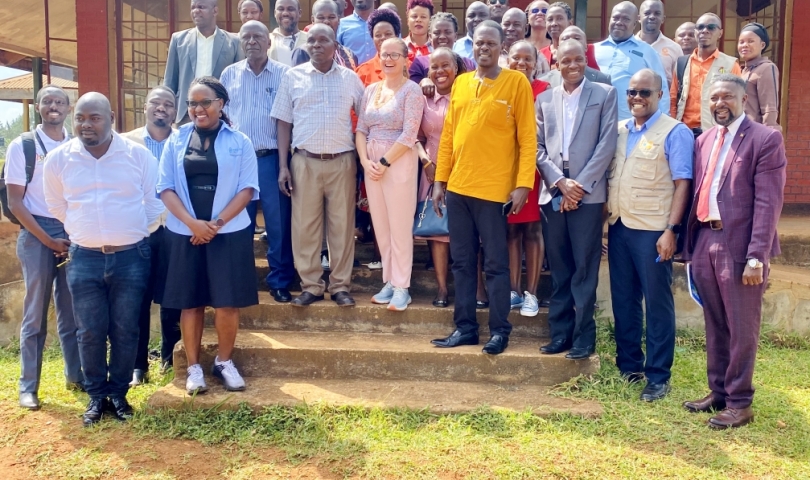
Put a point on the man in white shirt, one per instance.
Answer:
(103, 188)
(287, 37)
(40, 247)
(651, 16)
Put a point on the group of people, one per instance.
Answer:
(522, 134)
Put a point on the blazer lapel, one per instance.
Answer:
(192, 50)
(732, 151)
(583, 103)
(705, 156)
(219, 42)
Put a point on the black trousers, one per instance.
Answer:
(475, 223)
(574, 248)
(169, 317)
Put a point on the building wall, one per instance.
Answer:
(92, 54)
(797, 138)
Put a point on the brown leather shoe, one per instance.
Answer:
(306, 299)
(732, 418)
(343, 299)
(705, 404)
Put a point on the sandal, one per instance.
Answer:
(439, 303)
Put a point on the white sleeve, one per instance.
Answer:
(54, 193)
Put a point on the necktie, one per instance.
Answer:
(708, 176)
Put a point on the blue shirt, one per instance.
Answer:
(237, 170)
(621, 61)
(464, 47)
(678, 146)
(252, 99)
(153, 145)
(353, 33)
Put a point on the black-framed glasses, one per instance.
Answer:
(535, 11)
(643, 93)
(710, 27)
(391, 56)
(203, 103)
(495, 2)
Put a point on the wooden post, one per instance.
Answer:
(26, 115)
(581, 14)
(36, 71)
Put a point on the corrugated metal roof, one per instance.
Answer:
(26, 82)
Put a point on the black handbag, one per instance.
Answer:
(426, 223)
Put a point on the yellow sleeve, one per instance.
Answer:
(444, 158)
(526, 134)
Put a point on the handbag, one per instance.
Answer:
(426, 223)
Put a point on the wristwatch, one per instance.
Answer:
(676, 229)
(754, 263)
(220, 222)
(384, 162)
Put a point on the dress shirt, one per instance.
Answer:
(282, 46)
(679, 146)
(205, 54)
(621, 61)
(668, 50)
(106, 201)
(319, 105)
(464, 47)
(415, 50)
(570, 106)
(252, 99)
(353, 32)
(156, 148)
(34, 199)
(237, 170)
(698, 71)
(714, 211)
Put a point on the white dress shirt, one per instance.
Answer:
(714, 212)
(106, 201)
(205, 54)
(669, 51)
(570, 106)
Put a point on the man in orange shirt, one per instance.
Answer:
(689, 99)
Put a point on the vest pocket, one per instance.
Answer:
(646, 201)
(645, 168)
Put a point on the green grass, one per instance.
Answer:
(630, 440)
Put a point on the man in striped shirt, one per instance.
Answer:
(252, 85)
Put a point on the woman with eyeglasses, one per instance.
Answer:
(250, 10)
(761, 76)
(443, 33)
(208, 175)
(390, 116)
(558, 18)
(382, 24)
(538, 34)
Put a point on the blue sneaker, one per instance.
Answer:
(530, 306)
(516, 301)
(384, 296)
(400, 300)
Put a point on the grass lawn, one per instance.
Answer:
(631, 439)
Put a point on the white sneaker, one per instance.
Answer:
(400, 300)
(515, 300)
(195, 380)
(384, 296)
(227, 372)
(530, 306)
(325, 262)
(375, 266)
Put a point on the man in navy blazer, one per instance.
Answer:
(198, 52)
(739, 177)
(576, 141)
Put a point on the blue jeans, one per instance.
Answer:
(107, 292)
(41, 275)
(276, 208)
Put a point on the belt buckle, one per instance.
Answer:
(324, 156)
(104, 250)
(713, 223)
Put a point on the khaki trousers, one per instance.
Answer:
(323, 188)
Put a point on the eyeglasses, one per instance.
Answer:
(494, 2)
(391, 56)
(535, 11)
(710, 27)
(204, 103)
(644, 93)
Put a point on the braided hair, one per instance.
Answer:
(444, 16)
(219, 90)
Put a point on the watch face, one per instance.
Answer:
(220, 222)
(752, 262)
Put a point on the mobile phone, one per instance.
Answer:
(507, 207)
(556, 202)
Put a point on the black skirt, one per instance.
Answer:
(219, 274)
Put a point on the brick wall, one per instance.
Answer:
(797, 139)
(93, 54)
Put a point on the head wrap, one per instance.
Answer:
(760, 30)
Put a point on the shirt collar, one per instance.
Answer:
(42, 132)
(310, 68)
(246, 65)
(630, 41)
(711, 57)
(757, 62)
(358, 17)
(118, 144)
(631, 125)
(577, 91)
(732, 129)
(200, 35)
(437, 97)
(657, 39)
(146, 136)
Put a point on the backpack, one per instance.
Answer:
(680, 70)
(30, 152)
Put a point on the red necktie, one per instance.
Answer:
(708, 177)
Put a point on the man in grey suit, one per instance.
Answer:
(576, 141)
(554, 78)
(197, 52)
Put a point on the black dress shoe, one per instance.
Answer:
(577, 353)
(654, 391)
(120, 408)
(29, 401)
(306, 299)
(139, 377)
(94, 412)
(281, 295)
(555, 347)
(481, 304)
(343, 299)
(496, 344)
(456, 339)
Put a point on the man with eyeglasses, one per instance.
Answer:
(648, 191)
(621, 55)
(652, 16)
(41, 247)
(477, 12)
(689, 94)
(497, 8)
(286, 37)
(160, 110)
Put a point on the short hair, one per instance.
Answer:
(257, 2)
(42, 92)
(564, 6)
(525, 42)
(461, 67)
(444, 16)
(657, 80)
(491, 24)
(420, 3)
(318, 3)
(716, 17)
(384, 15)
(161, 88)
(219, 90)
(401, 43)
(729, 78)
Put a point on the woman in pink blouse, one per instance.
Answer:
(390, 116)
(444, 67)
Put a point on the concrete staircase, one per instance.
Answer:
(369, 356)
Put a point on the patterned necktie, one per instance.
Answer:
(708, 177)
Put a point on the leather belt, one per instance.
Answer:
(713, 224)
(320, 156)
(265, 152)
(110, 249)
(207, 188)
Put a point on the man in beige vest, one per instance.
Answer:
(689, 92)
(648, 183)
(287, 37)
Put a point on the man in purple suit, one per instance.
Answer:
(739, 177)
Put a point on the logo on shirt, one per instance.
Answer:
(647, 146)
(235, 151)
(722, 70)
(40, 158)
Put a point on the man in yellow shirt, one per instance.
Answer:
(485, 169)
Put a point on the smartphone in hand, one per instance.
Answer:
(507, 207)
